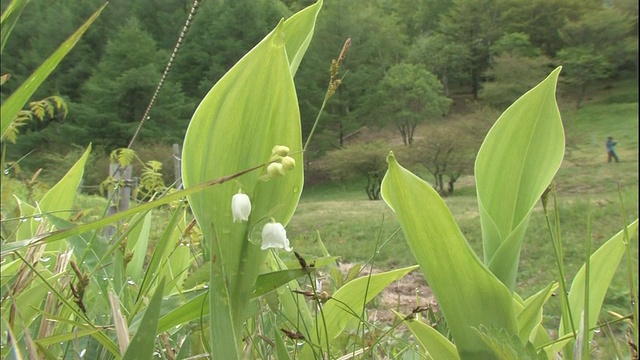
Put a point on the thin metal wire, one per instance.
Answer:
(183, 34)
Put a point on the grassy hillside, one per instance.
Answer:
(350, 225)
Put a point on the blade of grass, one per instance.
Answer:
(142, 343)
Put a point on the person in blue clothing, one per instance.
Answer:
(611, 151)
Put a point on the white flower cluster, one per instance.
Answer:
(274, 236)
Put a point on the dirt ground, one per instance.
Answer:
(403, 295)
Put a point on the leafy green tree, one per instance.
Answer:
(117, 94)
(541, 19)
(360, 161)
(475, 24)
(608, 32)
(409, 95)
(510, 77)
(442, 56)
(517, 66)
(583, 65)
(517, 44)
(447, 151)
(222, 32)
(377, 43)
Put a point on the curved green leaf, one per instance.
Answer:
(515, 164)
(434, 343)
(9, 19)
(604, 263)
(530, 313)
(468, 294)
(352, 296)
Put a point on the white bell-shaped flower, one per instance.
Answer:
(240, 207)
(274, 236)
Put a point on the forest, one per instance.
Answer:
(409, 62)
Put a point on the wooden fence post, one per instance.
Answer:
(120, 200)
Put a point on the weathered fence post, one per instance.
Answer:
(120, 200)
(177, 163)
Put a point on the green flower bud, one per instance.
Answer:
(288, 163)
(275, 169)
(280, 150)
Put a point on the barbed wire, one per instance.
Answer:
(174, 53)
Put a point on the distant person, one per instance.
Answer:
(611, 151)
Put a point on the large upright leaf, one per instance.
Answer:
(603, 265)
(19, 98)
(515, 164)
(468, 294)
(57, 201)
(250, 110)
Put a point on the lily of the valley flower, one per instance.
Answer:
(240, 207)
(274, 236)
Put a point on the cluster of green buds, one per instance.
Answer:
(280, 161)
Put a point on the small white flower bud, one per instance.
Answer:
(240, 207)
(274, 236)
(288, 162)
(275, 169)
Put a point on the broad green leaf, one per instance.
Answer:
(348, 301)
(460, 282)
(9, 19)
(604, 263)
(176, 267)
(142, 344)
(57, 201)
(19, 98)
(299, 30)
(273, 280)
(435, 344)
(347, 304)
(251, 109)
(137, 242)
(190, 310)
(516, 162)
(508, 346)
(530, 314)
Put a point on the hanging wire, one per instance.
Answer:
(183, 34)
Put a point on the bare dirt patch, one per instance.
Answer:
(402, 296)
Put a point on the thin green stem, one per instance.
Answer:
(315, 123)
(587, 269)
(557, 247)
(630, 270)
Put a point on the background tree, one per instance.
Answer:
(408, 95)
(364, 161)
(442, 56)
(517, 66)
(476, 24)
(583, 65)
(448, 151)
(117, 94)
